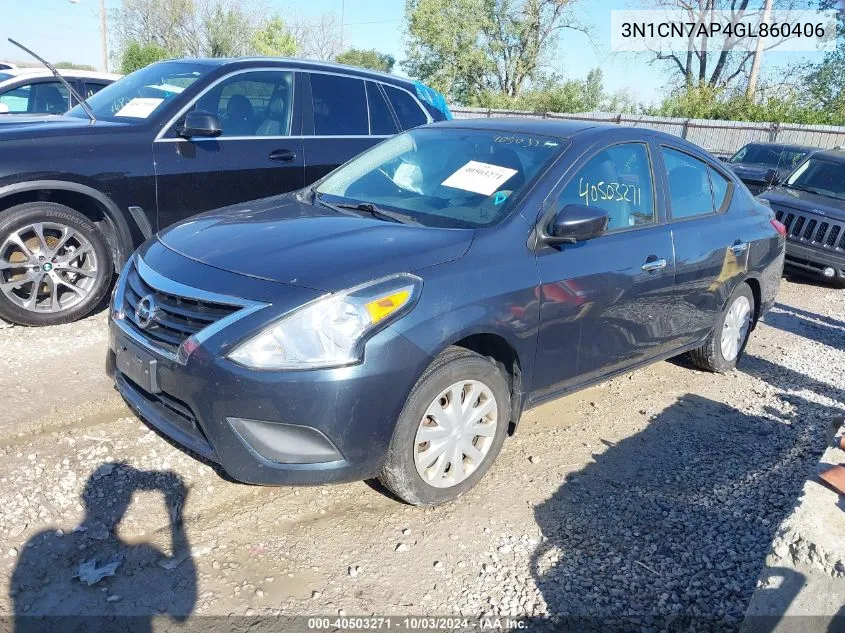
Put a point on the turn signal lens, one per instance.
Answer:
(779, 227)
(385, 306)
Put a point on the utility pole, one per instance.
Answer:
(758, 54)
(342, 15)
(104, 37)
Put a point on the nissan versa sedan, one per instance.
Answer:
(395, 318)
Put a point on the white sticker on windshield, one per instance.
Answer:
(477, 177)
(139, 107)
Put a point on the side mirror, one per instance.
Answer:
(199, 123)
(773, 177)
(576, 223)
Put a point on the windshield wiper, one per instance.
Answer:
(82, 103)
(377, 212)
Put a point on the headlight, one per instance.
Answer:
(331, 331)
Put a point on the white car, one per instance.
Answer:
(37, 91)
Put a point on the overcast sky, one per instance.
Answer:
(62, 31)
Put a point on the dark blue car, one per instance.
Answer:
(397, 317)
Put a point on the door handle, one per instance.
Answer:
(739, 247)
(282, 155)
(654, 264)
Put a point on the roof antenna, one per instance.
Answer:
(82, 103)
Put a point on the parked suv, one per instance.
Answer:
(811, 204)
(173, 139)
(762, 165)
(36, 91)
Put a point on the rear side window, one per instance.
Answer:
(93, 88)
(406, 107)
(618, 181)
(381, 119)
(340, 106)
(721, 188)
(690, 194)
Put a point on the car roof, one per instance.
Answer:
(787, 146)
(35, 73)
(556, 128)
(834, 155)
(309, 64)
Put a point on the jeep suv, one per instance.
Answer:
(79, 192)
(811, 204)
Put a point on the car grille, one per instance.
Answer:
(813, 230)
(176, 317)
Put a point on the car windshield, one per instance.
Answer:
(820, 176)
(771, 156)
(446, 177)
(140, 95)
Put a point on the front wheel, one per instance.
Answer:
(55, 266)
(450, 431)
(726, 343)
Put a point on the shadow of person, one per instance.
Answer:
(669, 529)
(90, 579)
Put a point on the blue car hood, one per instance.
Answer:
(284, 240)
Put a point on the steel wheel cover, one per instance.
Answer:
(737, 322)
(456, 433)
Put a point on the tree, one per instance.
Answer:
(72, 66)
(715, 61)
(274, 39)
(825, 82)
(227, 30)
(465, 47)
(319, 39)
(137, 56)
(367, 59)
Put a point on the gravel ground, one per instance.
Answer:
(653, 496)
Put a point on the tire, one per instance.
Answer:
(74, 278)
(401, 474)
(710, 356)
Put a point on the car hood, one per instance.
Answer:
(755, 171)
(31, 125)
(786, 198)
(282, 239)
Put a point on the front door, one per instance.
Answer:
(604, 302)
(259, 153)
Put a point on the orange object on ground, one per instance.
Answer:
(835, 477)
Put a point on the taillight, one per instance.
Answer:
(779, 226)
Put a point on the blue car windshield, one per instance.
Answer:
(446, 177)
(139, 96)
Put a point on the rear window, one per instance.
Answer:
(406, 107)
(340, 106)
(381, 120)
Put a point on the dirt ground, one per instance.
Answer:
(654, 493)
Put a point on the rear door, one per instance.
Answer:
(712, 241)
(605, 302)
(337, 125)
(259, 153)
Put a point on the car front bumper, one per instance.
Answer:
(268, 427)
(814, 261)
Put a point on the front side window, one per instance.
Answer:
(689, 185)
(144, 93)
(821, 177)
(406, 107)
(456, 178)
(618, 181)
(39, 98)
(340, 106)
(252, 104)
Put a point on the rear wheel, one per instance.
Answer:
(55, 266)
(726, 343)
(450, 431)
